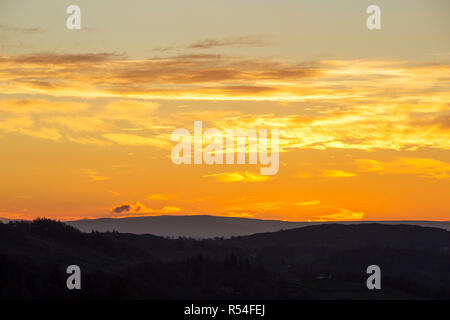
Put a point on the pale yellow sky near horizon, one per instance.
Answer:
(364, 116)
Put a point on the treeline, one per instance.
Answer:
(319, 262)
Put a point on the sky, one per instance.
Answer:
(86, 116)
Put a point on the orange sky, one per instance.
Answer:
(84, 131)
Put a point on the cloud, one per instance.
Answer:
(244, 41)
(137, 140)
(424, 119)
(208, 76)
(109, 75)
(23, 30)
(307, 203)
(422, 167)
(354, 128)
(170, 209)
(64, 59)
(133, 114)
(88, 140)
(122, 109)
(238, 177)
(78, 123)
(337, 174)
(40, 106)
(158, 196)
(346, 106)
(31, 117)
(253, 207)
(25, 125)
(82, 123)
(340, 215)
(240, 214)
(121, 208)
(139, 209)
(94, 176)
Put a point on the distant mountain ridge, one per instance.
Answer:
(206, 226)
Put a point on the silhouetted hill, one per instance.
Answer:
(197, 226)
(204, 226)
(325, 261)
(344, 236)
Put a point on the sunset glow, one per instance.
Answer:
(85, 129)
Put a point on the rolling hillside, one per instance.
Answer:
(315, 262)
